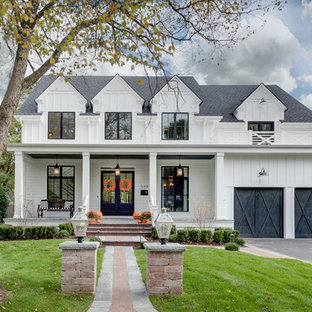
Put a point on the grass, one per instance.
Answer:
(31, 272)
(219, 280)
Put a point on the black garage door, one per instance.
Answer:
(258, 212)
(303, 212)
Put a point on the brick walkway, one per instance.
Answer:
(120, 287)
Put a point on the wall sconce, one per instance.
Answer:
(262, 172)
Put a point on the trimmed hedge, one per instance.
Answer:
(194, 235)
(67, 227)
(11, 232)
(205, 236)
(217, 237)
(4, 204)
(182, 236)
(40, 232)
(239, 241)
(62, 234)
(173, 230)
(173, 238)
(95, 239)
(232, 247)
(154, 233)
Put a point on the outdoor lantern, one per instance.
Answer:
(56, 169)
(180, 169)
(163, 225)
(117, 169)
(80, 223)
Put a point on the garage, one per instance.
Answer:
(258, 212)
(303, 212)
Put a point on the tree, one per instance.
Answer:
(44, 34)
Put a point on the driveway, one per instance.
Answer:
(297, 248)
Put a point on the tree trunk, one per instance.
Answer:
(11, 98)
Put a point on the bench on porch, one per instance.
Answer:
(55, 205)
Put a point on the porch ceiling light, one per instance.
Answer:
(163, 225)
(56, 168)
(80, 223)
(179, 169)
(117, 169)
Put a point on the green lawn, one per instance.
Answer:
(31, 272)
(219, 280)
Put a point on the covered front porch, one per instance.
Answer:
(148, 174)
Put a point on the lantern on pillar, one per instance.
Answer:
(163, 225)
(80, 223)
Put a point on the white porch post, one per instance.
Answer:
(19, 185)
(153, 176)
(289, 212)
(86, 180)
(219, 187)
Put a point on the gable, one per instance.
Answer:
(175, 96)
(117, 95)
(61, 96)
(261, 105)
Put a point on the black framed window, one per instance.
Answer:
(175, 190)
(61, 125)
(261, 125)
(62, 185)
(175, 126)
(118, 126)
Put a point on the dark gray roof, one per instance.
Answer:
(217, 100)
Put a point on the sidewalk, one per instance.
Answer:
(120, 287)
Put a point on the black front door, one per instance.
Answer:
(117, 198)
(258, 212)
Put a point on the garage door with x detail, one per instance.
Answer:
(303, 212)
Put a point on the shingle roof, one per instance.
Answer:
(217, 100)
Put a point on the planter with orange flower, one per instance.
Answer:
(146, 216)
(99, 216)
(137, 215)
(92, 215)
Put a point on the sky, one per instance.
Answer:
(280, 52)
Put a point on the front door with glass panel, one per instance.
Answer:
(117, 196)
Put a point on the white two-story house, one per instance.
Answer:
(243, 153)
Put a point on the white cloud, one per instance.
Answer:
(306, 100)
(266, 57)
(305, 78)
(306, 9)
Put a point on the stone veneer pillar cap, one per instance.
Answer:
(169, 247)
(81, 246)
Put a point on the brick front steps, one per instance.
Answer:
(118, 240)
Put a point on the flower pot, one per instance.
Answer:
(91, 220)
(98, 221)
(139, 221)
(146, 221)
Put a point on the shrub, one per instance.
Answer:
(51, 231)
(96, 239)
(232, 246)
(205, 236)
(226, 238)
(239, 241)
(67, 227)
(39, 232)
(11, 232)
(194, 235)
(173, 230)
(173, 238)
(154, 233)
(182, 236)
(4, 204)
(62, 234)
(217, 237)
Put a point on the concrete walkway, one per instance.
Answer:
(120, 287)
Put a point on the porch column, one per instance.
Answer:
(153, 176)
(86, 180)
(19, 185)
(289, 212)
(219, 187)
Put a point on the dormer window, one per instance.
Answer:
(261, 126)
(175, 126)
(118, 126)
(61, 126)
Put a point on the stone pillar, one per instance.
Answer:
(19, 185)
(164, 268)
(79, 267)
(86, 180)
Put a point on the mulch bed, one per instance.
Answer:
(3, 294)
